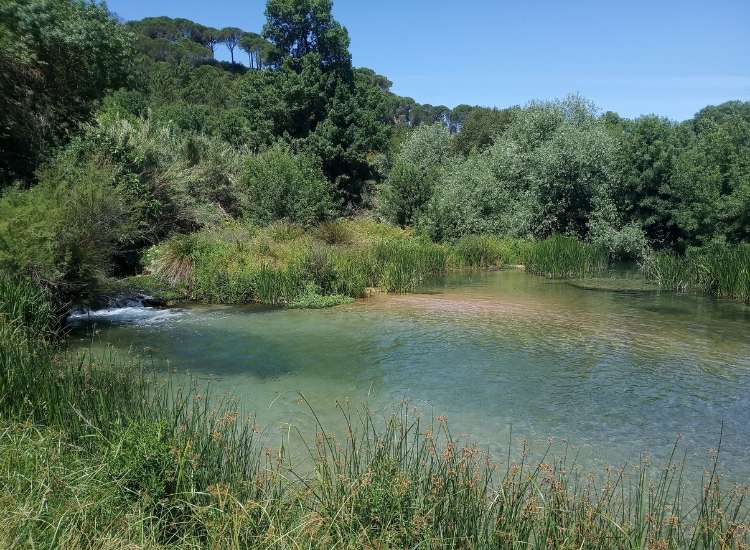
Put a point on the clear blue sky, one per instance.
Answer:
(635, 57)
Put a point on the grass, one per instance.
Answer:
(313, 298)
(719, 270)
(95, 453)
(561, 257)
(277, 264)
(490, 251)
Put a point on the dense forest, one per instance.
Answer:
(115, 137)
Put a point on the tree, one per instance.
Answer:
(57, 60)
(480, 127)
(281, 185)
(260, 52)
(301, 27)
(418, 165)
(210, 37)
(231, 37)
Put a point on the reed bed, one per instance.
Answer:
(719, 270)
(562, 257)
(490, 251)
(97, 453)
(279, 264)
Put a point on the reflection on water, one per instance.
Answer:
(613, 373)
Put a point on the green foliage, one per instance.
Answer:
(312, 298)
(404, 264)
(300, 27)
(719, 270)
(486, 251)
(281, 185)
(563, 257)
(335, 232)
(57, 58)
(480, 127)
(283, 266)
(23, 304)
(63, 233)
(417, 165)
(546, 173)
(141, 461)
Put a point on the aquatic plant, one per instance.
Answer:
(562, 257)
(482, 251)
(720, 270)
(313, 298)
(405, 264)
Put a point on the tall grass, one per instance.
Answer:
(563, 257)
(487, 251)
(26, 306)
(277, 265)
(719, 270)
(403, 265)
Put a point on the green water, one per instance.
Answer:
(611, 373)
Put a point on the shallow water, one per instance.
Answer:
(613, 373)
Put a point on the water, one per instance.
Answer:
(613, 374)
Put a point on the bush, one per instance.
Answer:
(313, 298)
(418, 164)
(64, 232)
(281, 185)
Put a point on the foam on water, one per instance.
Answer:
(131, 315)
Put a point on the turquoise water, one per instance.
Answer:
(611, 374)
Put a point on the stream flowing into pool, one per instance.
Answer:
(612, 373)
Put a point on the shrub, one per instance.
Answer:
(335, 232)
(281, 185)
(418, 164)
(64, 232)
(312, 297)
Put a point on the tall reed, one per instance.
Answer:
(562, 257)
(720, 270)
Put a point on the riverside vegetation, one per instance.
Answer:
(97, 453)
(131, 158)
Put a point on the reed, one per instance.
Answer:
(562, 257)
(720, 270)
(403, 265)
(26, 305)
(490, 251)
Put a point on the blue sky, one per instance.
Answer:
(667, 57)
